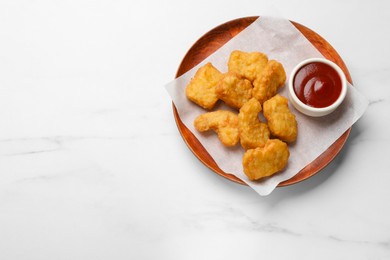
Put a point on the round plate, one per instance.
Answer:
(212, 41)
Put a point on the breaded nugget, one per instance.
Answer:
(234, 90)
(253, 132)
(269, 81)
(224, 123)
(281, 121)
(247, 64)
(201, 89)
(265, 161)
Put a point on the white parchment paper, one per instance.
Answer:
(281, 41)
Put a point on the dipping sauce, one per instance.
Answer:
(317, 84)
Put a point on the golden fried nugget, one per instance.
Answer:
(223, 122)
(247, 64)
(269, 81)
(234, 90)
(253, 132)
(201, 89)
(281, 121)
(265, 161)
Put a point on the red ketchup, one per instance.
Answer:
(317, 84)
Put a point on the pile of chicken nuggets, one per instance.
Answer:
(250, 86)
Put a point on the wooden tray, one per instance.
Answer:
(212, 41)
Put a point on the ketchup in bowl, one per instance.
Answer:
(317, 84)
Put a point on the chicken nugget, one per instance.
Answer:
(223, 122)
(253, 132)
(281, 121)
(269, 81)
(201, 89)
(265, 161)
(247, 64)
(234, 90)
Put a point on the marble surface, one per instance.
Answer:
(92, 165)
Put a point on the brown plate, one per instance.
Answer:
(212, 41)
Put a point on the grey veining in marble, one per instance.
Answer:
(92, 165)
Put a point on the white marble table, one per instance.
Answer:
(92, 164)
